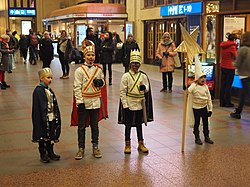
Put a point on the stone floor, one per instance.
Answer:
(225, 163)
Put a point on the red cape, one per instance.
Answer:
(74, 114)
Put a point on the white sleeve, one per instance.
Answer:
(209, 102)
(124, 90)
(191, 88)
(78, 82)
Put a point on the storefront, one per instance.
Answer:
(76, 19)
(188, 14)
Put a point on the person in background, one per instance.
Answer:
(117, 58)
(12, 45)
(165, 52)
(16, 47)
(242, 64)
(106, 53)
(127, 47)
(4, 63)
(46, 50)
(46, 117)
(228, 55)
(23, 43)
(32, 43)
(63, 49)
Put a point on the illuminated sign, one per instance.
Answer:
(181, 9)
(14, 12)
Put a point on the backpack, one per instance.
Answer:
(33, 39)
(75, 55)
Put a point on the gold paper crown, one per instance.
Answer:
(135, 56)
(88, 46)
(45, 72)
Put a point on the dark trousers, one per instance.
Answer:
(64, 64)
(32, 51)
(227, 77)
(133, 118)
(109, 70)
(167, 83)
(82, 124)
(46, 63)
(244, 92)
(201, 113)
(23, 52)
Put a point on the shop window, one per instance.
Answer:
(171, 28)
(159, 2)
(123, 2)
(148, 3)
(172, 1)
(150, 41)
(160, 29)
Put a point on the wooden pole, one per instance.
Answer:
(185, 107)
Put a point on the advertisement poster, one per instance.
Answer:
(26, 26)
(235, 25)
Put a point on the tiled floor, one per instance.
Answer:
(225, 163)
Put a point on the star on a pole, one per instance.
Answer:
(189, 44)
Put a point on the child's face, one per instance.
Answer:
(202, 80)
(89, 58)
(135, 66)
(47, 80)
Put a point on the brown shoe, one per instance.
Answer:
(127, 149)
(142, 148)
(79, 154)
(163, 90)
(97, 153)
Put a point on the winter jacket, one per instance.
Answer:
(242, 61)
(106, 52)
(4, 49)
(46, 49)
(228, 54)
(167, 62)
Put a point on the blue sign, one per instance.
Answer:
(181, 9)
(14, 12)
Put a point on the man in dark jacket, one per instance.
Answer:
(228, 54)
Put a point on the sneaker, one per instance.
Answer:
(79, 154)
(163, 90)
(97, 153)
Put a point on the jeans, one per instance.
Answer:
(64, 64)
(133, 118)
(83, 115)
(168, 83)
(227, 77)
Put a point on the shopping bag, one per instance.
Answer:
(177, 62)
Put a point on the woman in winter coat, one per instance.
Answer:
(46, 50)
(107, 51)
(4, 63)
(165, 52)
(127, 47)
(63, 49)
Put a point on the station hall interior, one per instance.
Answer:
(173, 159)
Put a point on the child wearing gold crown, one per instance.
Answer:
(89, 80)
(46, 117)
(200, 102)
(136, 102)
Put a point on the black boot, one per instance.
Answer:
(236, 113)
(2, 87)
(51, 153)
(208, 140)
(197, 138)
(43, 153)
(6, 85)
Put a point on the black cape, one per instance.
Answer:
(149, 107)
(40, 119)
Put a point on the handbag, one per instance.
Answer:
(158, 61)
(177, 62)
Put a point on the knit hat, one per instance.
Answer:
(45, 72)
(88, 46)
(198, 68)
(135, 56)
